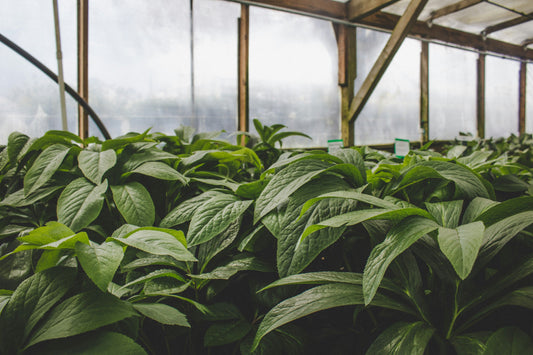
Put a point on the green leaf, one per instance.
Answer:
(505, 209)
(64, 243)
(510, 341)
(30, 302)
(226, 333)
(162, 313)
(51, 232)
(185, 210)
(461, 246)
(160, 171)
(353, 157)
(80, 203)
(100, 262)
(446, 213)
(44, 167)
(241, 263)
(168, 273)
(317, 299)
(15, 143)
(326, 277)
(18, 199)
(96, 343)
(403, 338)
(146, 155)
(95, 164)
(209, 250)
(159, 241)
(285, 183)
(134, 203)
(477, 207)
(214, 217)
(352, 195)
(399, 238)
(468, 345)
(80, 314)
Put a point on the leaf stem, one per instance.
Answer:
(455, 311)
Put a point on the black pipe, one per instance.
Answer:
(53, 76)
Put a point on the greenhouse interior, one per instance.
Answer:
(266, 177)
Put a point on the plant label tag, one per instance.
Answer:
(334, 145)
(401, 147)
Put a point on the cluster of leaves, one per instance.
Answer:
(149, 243)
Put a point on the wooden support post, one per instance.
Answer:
(347, 53)
(382, 63)
(522, 98)
(83, 66)
(481, 96)
(243, 55)
(424, 92)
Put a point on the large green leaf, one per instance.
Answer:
(44, 167)
(159, 241)
(226, 333)
(15, 143)
(318, 299)
(476, 208)
(160, 171)
(95, 343)
(161, 273)
(134, 203)
(505, 209)
(95, 164)
(352, 195)
(214, 217)
(241, 263)
(285, 183)
(100, 262)
(446, 213)
(509, 341)
(402, 338)
(467, 344)
(399, 238)
(185, 210)
(29, 303)
(81, 313)
(162, 313)
(461, 246)
(353, 157)
(80, 203)
(51, 232)
(209, 250)
(18, 199)
(146, 155)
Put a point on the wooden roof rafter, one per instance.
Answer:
(507, 24)
(455, 7)
(527, 42)
(357, 9)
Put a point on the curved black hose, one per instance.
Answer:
(53, 76)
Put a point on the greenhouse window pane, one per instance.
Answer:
(215, 65)
(139, 64)
(293, 75)
(529, 99)
(452, 92)
(29, 100)
(501, 97)
(393, 109)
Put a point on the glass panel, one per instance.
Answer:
(293, 75)
(215, 63)
(529, 99)
(139, 64)
(501, 105)
(393, 109)
(29, 100)
(452, 92)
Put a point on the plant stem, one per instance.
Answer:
(455, 311)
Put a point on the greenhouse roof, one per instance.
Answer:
(499, 26)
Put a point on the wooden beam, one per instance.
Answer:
(527, 42)
(448, 35)
(361, 8)
(450, 9)
(83, 66)
(506, 24)
(424, 92)
(347, 54)
(382, 63)
(333, 9)
(243, 57)
(481, 96)
(522, 98)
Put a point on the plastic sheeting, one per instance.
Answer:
(452, 92)
(293, 75)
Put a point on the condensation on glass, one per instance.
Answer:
(29, 100)
(293, 75)
(501, 97)
(139, 65)
(393, 109)
(452, 92)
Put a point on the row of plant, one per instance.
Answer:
(159, 244)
